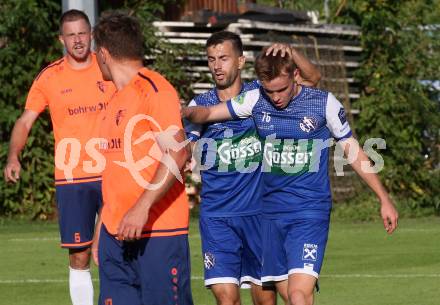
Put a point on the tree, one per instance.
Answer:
(28, 42)
(398, 103)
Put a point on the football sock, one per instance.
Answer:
(81, 287)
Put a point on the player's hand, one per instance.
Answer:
(133, 222)
(389, 215)
(12, 170)
(284, 48)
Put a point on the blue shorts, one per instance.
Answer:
(78, 204)
(293, 246)
(231, 249)
(149, 271)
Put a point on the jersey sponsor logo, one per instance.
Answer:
(242, 153)
(67, 90)
(287, 157)
(245, 150)
(119, 116)
(208, 260)
(115, 143)
(342, 116)
(87, 109)
(308, 124)
(108, 301)
(310, 252)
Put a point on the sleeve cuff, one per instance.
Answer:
(346, 136)
(192, 137)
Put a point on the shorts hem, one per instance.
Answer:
(77, 245)
(274, 278)
(249, 279)
(221, 280)
(303, 271)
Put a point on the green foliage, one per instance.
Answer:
(27, 43)
(365, 207)
(400, 52)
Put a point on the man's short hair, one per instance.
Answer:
(222, 36)
(270, 67)
(73, 15)
(121, 35)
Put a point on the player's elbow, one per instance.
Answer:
(23, 124)
(316, 77)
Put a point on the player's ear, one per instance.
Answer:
(60, 38)
(104, 54)
(297, 76)
(241, 62)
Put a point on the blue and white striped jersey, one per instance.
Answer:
(296, 148)
(231, 154)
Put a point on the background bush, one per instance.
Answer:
(401, 56)
(28, 42)
(398, 103)
(28, 32)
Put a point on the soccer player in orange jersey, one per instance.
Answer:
(143, 242)
(75, 93)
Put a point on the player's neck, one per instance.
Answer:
(225, 94)
(123, 72)
(79, 64)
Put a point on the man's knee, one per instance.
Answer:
(226, 294)
(79, 258)
(300, 297)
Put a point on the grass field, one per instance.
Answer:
(363, 266)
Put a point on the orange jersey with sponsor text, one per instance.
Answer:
(135, 116)
(74, 98)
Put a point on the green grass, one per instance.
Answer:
(363, 266)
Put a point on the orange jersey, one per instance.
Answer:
(74, 98)
(148, 104)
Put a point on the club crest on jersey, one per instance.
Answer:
(209, 260)
(308, 124)
(119, 115)
(101, 86)
(310, 252)
(240, 99)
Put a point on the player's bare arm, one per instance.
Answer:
(388, 211)
(19, 136)
(134, 220)
(202, 114)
